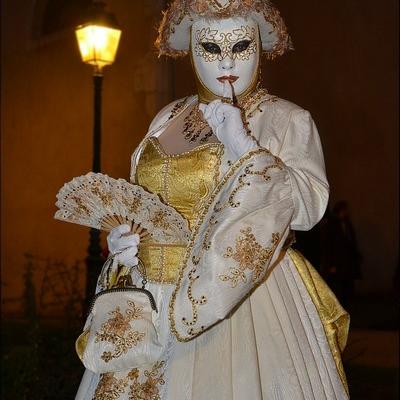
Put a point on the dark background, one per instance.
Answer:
(344, 71)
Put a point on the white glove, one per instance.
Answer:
(123, 247)
(226, 122)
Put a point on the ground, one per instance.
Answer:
(39, 359)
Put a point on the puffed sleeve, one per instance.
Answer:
(301, 152)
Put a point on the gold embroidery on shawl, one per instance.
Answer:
(193, 276)
(194, 302)
(242, 183)
(118, 331)
(109, 387)
(250, 100)
(149, 389)
(250, 255)
(206, 241)
(258, 101)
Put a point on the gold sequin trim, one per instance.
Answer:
(252, 104)
(242, 183)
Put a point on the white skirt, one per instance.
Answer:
(273, 347)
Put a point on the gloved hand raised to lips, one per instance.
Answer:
(123, 246)
(226, 122)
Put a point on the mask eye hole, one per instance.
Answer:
(211, 47)
(241, 46)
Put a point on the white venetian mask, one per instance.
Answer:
(225, 48)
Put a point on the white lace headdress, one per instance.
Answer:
(174, 31)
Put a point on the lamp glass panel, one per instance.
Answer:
(98, 44)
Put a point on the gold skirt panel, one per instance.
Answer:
(334, 318)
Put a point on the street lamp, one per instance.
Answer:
(98, 38)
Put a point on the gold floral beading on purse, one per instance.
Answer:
(120, 331)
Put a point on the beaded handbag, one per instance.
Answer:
(120, 332)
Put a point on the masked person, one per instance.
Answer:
(242, 315)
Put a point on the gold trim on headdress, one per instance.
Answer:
(174, 32)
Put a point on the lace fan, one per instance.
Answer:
(99, 201)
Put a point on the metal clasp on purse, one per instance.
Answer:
(125, 283)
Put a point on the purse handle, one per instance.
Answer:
(126, 280)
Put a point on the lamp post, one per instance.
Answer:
(98, 38)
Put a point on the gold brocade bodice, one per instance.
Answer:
(183, 181)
